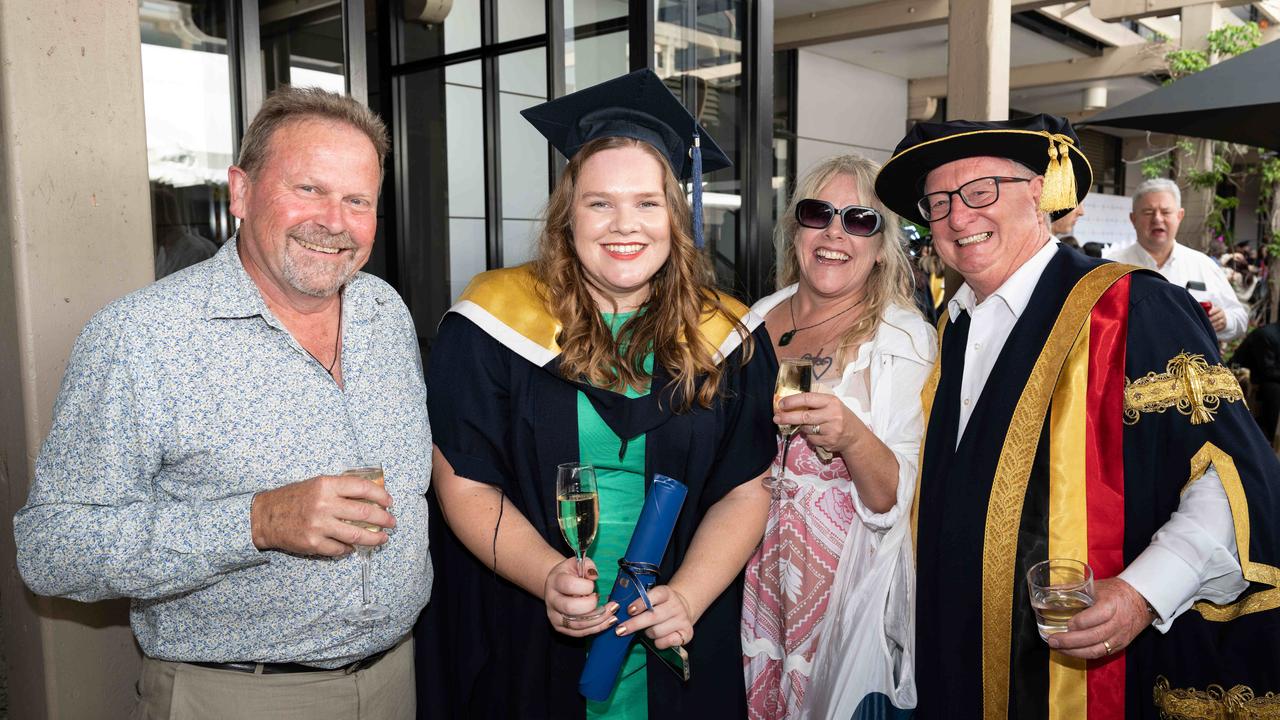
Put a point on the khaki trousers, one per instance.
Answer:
(179, 691)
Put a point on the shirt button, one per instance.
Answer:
(966, 402)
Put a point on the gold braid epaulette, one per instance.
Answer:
(1188, 383)
(1214, 703)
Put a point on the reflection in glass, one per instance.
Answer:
(698, 47)
(187, 101)
(426, 35)
(302, 44)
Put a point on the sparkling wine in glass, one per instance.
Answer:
(367, 611)
(795, 375)
(578, 510)
(1059, 588)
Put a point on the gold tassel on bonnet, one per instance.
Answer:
(1060, 177)
(1024, 140)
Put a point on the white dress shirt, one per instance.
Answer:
(1193, 555)
(1185, 265)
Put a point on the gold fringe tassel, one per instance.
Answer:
(1059, 178)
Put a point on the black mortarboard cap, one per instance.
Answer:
(1044, 143)
(637, 106)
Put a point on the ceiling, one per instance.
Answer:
(922, 53)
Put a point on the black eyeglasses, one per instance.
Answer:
(976, 194)
(856, 219)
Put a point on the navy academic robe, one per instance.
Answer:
(485, 648)
(1094, 469)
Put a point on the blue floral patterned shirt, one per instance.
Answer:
(182, 400)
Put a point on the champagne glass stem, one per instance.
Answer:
(366, 567)
(580, 554)
(786, 448)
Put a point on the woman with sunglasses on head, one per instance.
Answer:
(826, 612)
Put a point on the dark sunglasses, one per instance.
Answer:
(856, 219)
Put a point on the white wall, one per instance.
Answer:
(844, 108)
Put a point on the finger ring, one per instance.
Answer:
(815, 429)
(1106, 646)
(680, 634)
(564, 620)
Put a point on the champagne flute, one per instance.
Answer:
(578, 510)
(795, 375)
(367, 611)
(1059, 588)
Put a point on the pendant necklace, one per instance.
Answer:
(786, 336)
(337, 347)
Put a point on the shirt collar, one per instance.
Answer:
(1144, 258)
(1015, 293)
(233, 294)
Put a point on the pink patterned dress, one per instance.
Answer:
(789, 580)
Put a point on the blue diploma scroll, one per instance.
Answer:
(648, 545)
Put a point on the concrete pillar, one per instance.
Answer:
(978, 60)
(75, 232)
(1197, 22)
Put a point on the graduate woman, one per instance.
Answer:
(611, 348)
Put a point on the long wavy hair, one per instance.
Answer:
(681, 297)
(890, 282)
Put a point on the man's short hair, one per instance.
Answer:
(290, 104)
(1157, 185)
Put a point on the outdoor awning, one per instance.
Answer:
(1237, 100)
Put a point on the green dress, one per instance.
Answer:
(620, 484)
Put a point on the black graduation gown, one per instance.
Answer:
(1233, 645)
(485, 648)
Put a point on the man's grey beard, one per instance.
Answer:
(312, 278)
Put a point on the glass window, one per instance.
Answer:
(429, 33)
(579, 13)
(302, 45)
(187, 101)
(593, 59)
(521, 18)
(442, 210)
(699, 54)
(522, 83)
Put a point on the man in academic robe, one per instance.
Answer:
(1078, 410)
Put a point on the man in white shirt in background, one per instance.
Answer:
(1157, 213)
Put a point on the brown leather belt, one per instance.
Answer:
(279, 668)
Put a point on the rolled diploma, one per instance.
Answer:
(648, 544)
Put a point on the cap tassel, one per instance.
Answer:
(1059, 178)
(696, 153)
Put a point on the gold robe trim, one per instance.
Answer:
(1214, 703)
(1189, 383)
(1254, 572)
(1013, 472)
(511, 305)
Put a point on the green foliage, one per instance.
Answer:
(1268, 178)
(1158, 166)
(1225, 42)
(1185, 62)
(1213, 177)
(1217, 219)
(1231, 40)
